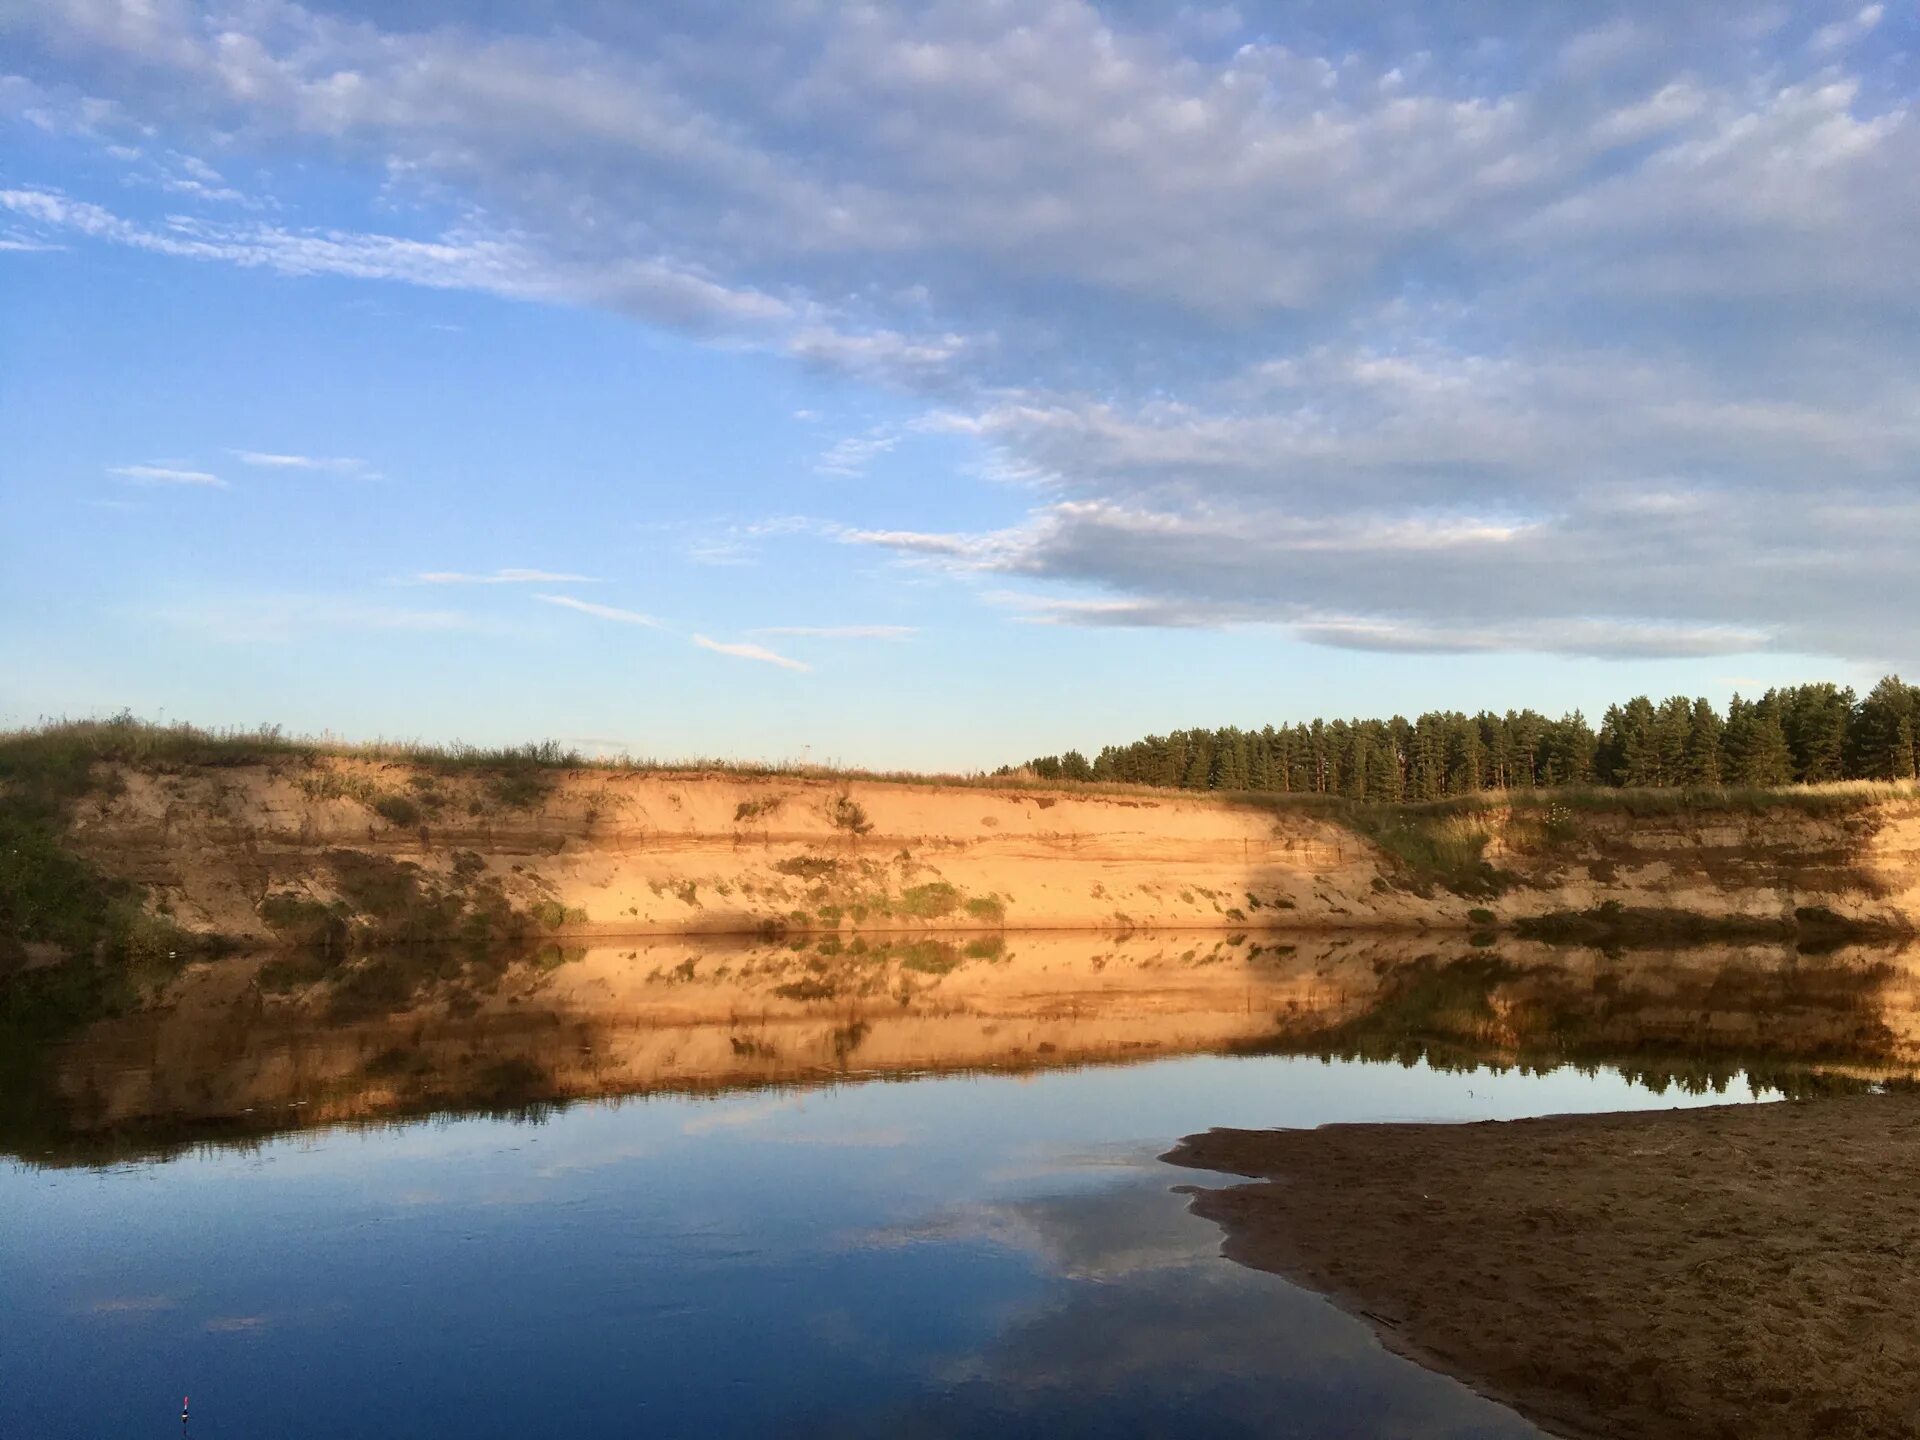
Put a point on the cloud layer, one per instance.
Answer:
(1583, 329)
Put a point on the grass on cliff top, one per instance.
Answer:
(57, 755)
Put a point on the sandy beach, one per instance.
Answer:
(1742, 1271)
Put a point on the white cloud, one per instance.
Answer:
(745, 651)
(1599, 312)
(1842, 33)
(601, 612)
(337, 464)
(850, 457)
(167, 475)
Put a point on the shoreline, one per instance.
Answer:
(1733, 1270)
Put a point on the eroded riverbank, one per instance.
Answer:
(128, 852)
(1733, 1271)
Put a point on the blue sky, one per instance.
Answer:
(935, 385)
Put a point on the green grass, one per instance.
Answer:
(553, 915)
(929, 957)
(51, 895)
(398, 810)
(1430, 847)
(70, 746)
(934, 901)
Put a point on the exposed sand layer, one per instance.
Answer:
(1730, 1272)
(611, 852)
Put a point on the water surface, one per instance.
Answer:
(528, 1212)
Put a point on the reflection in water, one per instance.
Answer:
(760, 1248)
(243, 1048)
(954, 1256)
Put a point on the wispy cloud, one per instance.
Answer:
(167, 475)
(507, 576)
(850, 457)
(739, 544)
(238, 1324)
(842, 632)
(745, 651)
(132, 1305)
(733, 1117)
(337, 464)
(1283, 324)
(601, 612)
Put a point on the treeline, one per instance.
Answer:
(1805, 734)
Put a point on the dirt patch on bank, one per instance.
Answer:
(1739, 1271)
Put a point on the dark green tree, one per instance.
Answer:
(1883, 732)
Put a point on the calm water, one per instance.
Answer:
(942, 1255)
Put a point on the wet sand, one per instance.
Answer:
(1749, 1271)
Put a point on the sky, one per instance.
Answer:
(935, 385)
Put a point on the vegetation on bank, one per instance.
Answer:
(62, 754)
(1801, 735)
(50, 895)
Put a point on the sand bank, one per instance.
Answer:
(1749, 1271)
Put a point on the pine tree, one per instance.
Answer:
(1807, 734)
(1701, 762)
(1884, 732)
(1466, 758)
(1383, 771)
(1817, 719)
(1754, 744)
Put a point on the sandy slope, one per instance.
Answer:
(658, 854)
(655, 853)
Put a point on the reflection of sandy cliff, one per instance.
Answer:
(682, 1015)
(239, 1047)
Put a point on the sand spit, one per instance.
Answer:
(1741, 1271)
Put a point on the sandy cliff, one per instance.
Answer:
(373, 851)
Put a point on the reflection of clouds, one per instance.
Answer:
(598, 1160)
(728, 1117)
(132, 1305)
(878, 1137)
(1104, 1235)
(237, 1324)
(758, 1112)
(1047, 1162)
(1147, 1331)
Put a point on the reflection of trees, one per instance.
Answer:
(415, 1032)
(1660, 1024)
